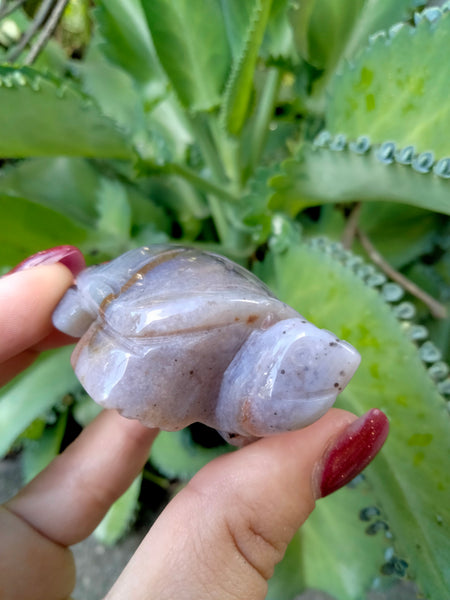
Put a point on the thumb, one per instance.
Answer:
(222, 535)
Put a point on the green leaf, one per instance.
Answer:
(65, 185)
(376, 16)
(190, 40)
(278, 40)
(237, 17)
(28, 228)
(127, 42)
(43, 116)
(330, 536)
(327, 32)
(252, 215)
(240, 83)
(322, 28)
(37, 454)
(321, 175)
(287, 580)
(33, 393)
(410, 477)
(120, 516)
(184, 201)
(71, 187)
(34, 431)
(85, 410)
(176, 455)
(114, 91)
(410, 106)
(114, 211)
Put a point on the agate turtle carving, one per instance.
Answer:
(171, 336)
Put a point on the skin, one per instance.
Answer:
(219, 538)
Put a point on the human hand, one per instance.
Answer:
(220, 537)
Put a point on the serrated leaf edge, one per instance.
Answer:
(386, 153)
(429, 16)
(16, 78)
(238, 64)
(393, 294)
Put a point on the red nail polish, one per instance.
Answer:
(353, 450)
(70, 256)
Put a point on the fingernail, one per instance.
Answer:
(353, 450)
(70, 256)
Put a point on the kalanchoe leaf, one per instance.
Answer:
(37, 454)
(65, 185)
(192, 46)
(394, 377)
(347, 519)
(239, 86)
(177, 456)
(127, 42)
(49, 228)
(410, 105)
(326, 36)
(330, 171)
(69, 122)
(120, 516)
(16, 410)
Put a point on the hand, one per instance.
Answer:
(219, 538)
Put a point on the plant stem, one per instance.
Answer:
(437, 309)
(229, 150)
(351, 226)
(198, 181)
(208, 149)
(46, 32)
(263, 116)
(41, 15)
(7, 9)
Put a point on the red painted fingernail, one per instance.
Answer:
(353, 450)
(69, 256)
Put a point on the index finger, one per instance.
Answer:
(27, 301)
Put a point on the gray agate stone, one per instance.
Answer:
(172, 336)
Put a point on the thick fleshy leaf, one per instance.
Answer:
(85, 410)
(410, 477)
(77, 190)
(237, 16)
(28, 228)
(120, 516)
(278, 40)
(37, 454)
(288, 578)
(114, 211)
(398, 89)
(115, 93)
(240, 83)
(192, 46)
(327, 32)
(176, 455)
(127, 42)
(321, 175)
(322, 28)
(346, 544)
(43, 116)
(31, 394)
(65, 185)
